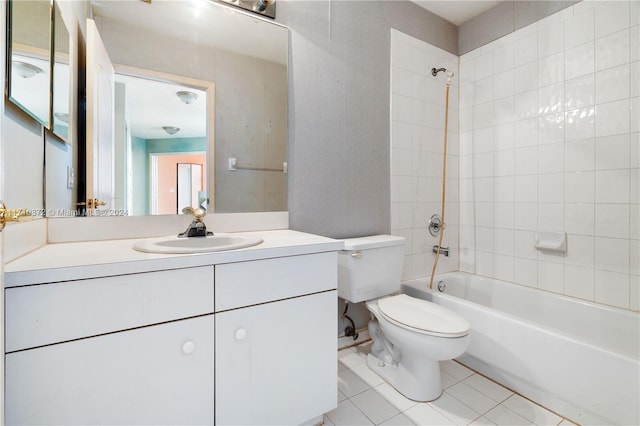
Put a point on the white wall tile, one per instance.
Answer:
(612, 288)
(526, 77)
(526, 216)
(580, 123)
(504, 57)
(612, 50)
(580, 61)
(612, 152)
(579, 92)
(580, 218)
(580, 250)
(612, 84)
(634, 292)
(504, 110)
(551, 158)
(504, 83)
(612, 254)
(579, 29)
(612, 118)
(611, 17)
(551, 128)
(580, 155)
(579, 282)
(634, 12)
(551, 276)
(526, 160)
(612, 186)
(634, 43)
(551, 216)
(526, 272)
(579, 187)
(550, 38)
(550, 99)
(526, 132)
(526, 49)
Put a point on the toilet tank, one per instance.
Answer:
(370, 267)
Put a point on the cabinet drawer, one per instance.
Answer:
(249, 283)
(50, 313)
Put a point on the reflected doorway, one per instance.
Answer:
(171, 188)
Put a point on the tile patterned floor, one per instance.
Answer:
(469, 399)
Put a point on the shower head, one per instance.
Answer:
(435, 71)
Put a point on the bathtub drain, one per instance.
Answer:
(441, 286)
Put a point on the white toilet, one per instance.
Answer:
(410, 336)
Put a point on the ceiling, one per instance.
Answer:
(456, 11)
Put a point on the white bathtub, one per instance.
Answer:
(579, 359)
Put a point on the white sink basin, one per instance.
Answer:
(217, 242)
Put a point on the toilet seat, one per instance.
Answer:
(422, 316)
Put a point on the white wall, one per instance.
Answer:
(417, 144)
(549, 122)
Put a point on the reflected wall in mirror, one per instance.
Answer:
(29, 73)
(61, 76)
(159, 124)
(245, 57)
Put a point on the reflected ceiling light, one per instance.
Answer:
(62, 116)
(187, 97)
(171, 130)
(24, 69)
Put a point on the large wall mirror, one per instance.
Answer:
(178, 83)
(29, 48)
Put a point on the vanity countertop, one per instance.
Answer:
(80, 260)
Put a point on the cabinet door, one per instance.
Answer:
(155, 375)
(276, 363)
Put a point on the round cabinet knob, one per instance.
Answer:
(241, 334)
(188, 347)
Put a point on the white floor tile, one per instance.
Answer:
(471, 397)
(396, 399)
(374, 406)
(447, 379)
(346, 414)
(327, 421)
(487, 387)
(531, 411)
(367, 375)
(399, 420)
(341, 396)
(455, 410)
(363, 350)
(458, 371)
(350, 359)
(502, 416)
(350, 384)
(566, 422)
(424, 414)
(482, 421)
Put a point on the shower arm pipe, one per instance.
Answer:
(444, 169)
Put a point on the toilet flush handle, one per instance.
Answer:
(356, 254)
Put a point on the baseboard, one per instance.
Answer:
(347, 341)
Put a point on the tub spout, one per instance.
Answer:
(443, 250)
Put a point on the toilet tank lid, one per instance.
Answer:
(373, 241)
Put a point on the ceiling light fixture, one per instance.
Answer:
(61, 116)
(171, 130)
(187, 97)
(25, 69)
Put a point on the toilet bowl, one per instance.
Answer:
(410, 336)
(417, 338)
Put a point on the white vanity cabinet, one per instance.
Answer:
(276, 360)
(234, 338)
(158, 375)
(87, 351)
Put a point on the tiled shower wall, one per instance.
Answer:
(549, 122)
(417, 134)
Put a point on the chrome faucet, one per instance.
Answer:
(197, 228)
(443, 250)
